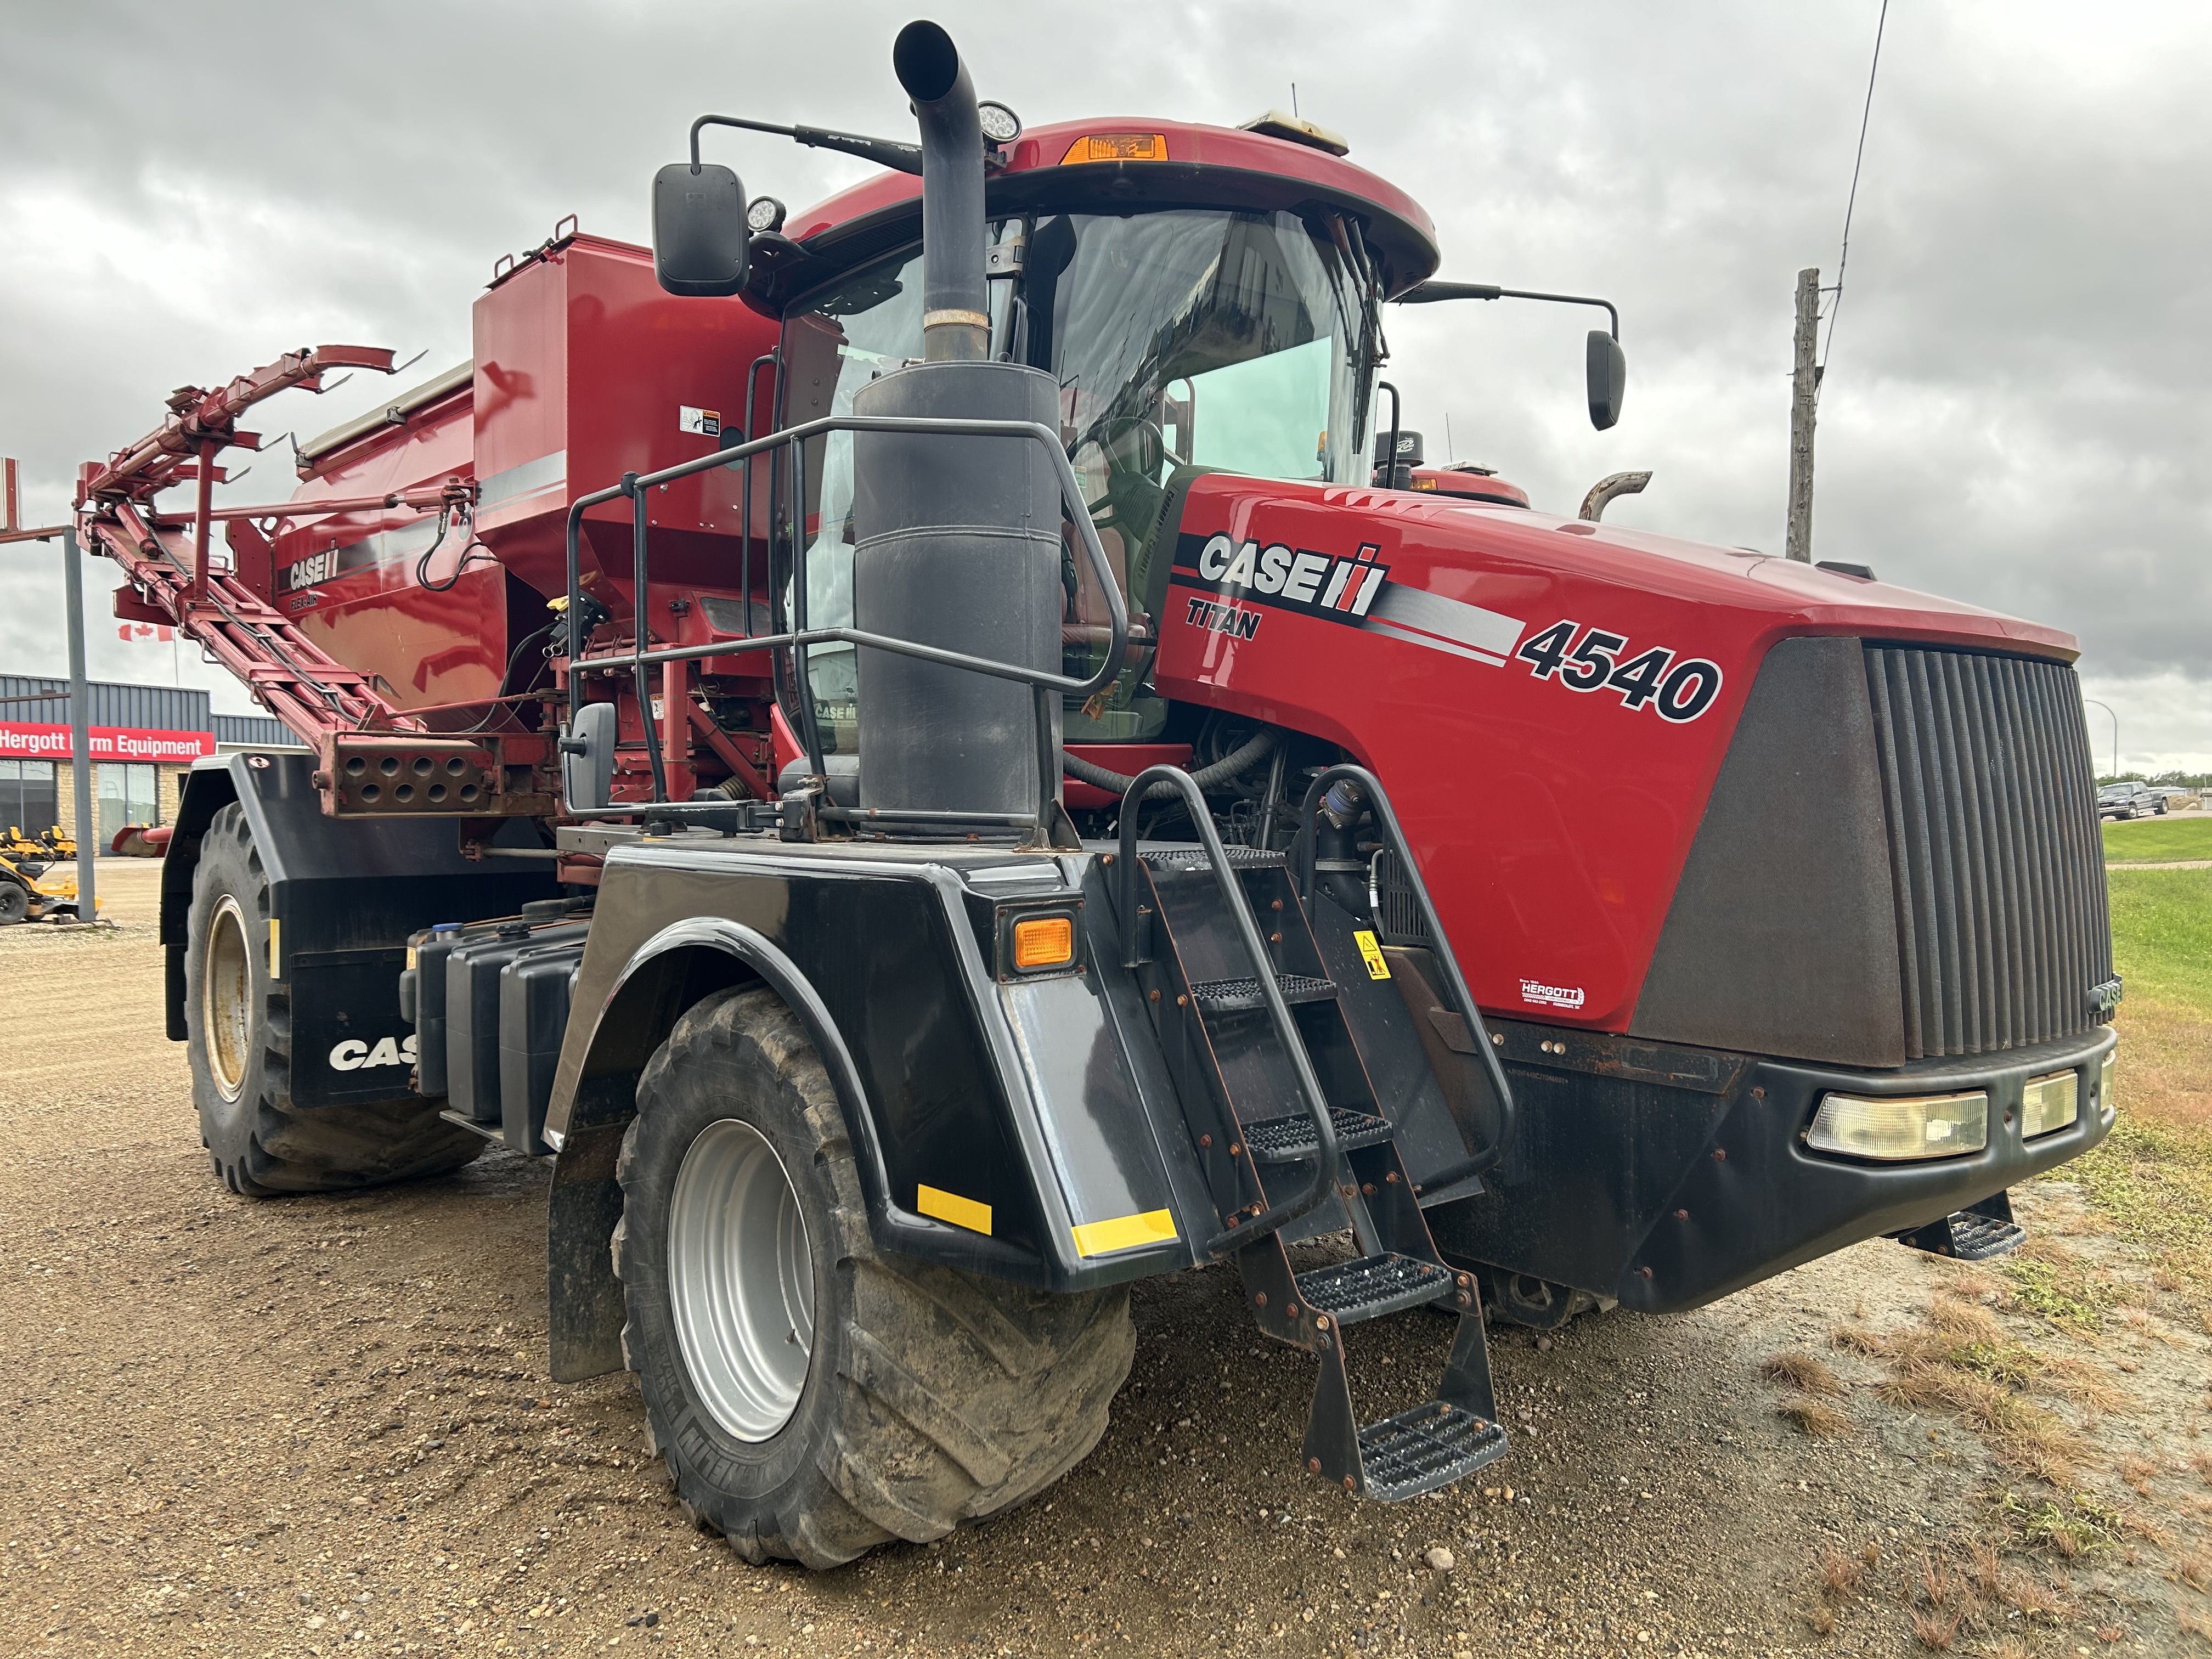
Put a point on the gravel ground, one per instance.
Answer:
(314, 1426)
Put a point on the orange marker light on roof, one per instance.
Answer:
(1118, 147)
(1044, 941)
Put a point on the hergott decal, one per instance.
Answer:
(1552, 996)
(353, 1054)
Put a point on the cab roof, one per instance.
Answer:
(1151, 163)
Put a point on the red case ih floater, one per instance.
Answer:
(907, 750)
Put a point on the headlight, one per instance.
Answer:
(2105, 1100)
(2049, 1103)
(1930, 1126)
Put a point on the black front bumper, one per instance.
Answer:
(1668, 1186)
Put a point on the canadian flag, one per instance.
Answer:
(160, 633)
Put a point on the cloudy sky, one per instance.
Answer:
(2015, 412)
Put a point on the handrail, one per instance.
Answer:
(1323, 1184)
(1455, 982)
(634, 485)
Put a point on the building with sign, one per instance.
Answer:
(144, 739)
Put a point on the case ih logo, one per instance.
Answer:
(1297, 579)
(353, 1054)
(1352, 589)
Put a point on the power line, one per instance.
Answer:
(1836, 306)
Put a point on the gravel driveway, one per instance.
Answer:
(318, 1426)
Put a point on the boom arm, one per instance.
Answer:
(355, 731)
(167, 562)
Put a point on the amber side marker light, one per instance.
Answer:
(1118, 147)
(1044, 942)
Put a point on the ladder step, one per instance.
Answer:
(1430, 1446)
(1287, 1140)
(1968, 1235)
(1372, 1287)
(1169, 858)
(1227, 996)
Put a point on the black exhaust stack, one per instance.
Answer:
(957, 540)
(956, 323)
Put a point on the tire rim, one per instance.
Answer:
(227, 998)
(741, 1279)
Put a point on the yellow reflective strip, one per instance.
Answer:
(275, 972)
(950, 1206)
(1124, 1232)
(1378, 965)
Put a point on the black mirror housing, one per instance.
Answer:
(700, 236)
(1608, 378)
(587, 757)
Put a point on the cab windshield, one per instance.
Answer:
(1189, 339)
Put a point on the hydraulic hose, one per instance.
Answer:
(1238, 760)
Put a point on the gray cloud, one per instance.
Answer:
(2013, 414)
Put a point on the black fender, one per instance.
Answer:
(670, 974)
(344, 893)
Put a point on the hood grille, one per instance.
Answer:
(2003, 937)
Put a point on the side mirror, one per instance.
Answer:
(1608, 378)
(700, 236)
(587, 757)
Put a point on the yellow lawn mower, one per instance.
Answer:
(27, 894)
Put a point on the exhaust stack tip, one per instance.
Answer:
(927, 62)
(956, 323)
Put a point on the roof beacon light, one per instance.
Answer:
(1899, 1131)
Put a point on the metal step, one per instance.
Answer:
(1229, 996)
(1287, 1140)
(1372, 1287)
(1430, 1446)
(1176, 858)
(1967, 1235)
(490, 1130)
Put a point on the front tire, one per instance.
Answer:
(238, 1028)
(813, 1398)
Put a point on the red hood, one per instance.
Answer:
(1801, 598)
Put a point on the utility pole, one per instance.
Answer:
(88, 848)
(2108, 708)
(1804, 391)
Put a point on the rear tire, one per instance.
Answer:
(814, 1398)
(239, 1037)
(15, 904)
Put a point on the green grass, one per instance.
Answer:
(2162, 934)
(2159, 841)
(2152, 1178)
